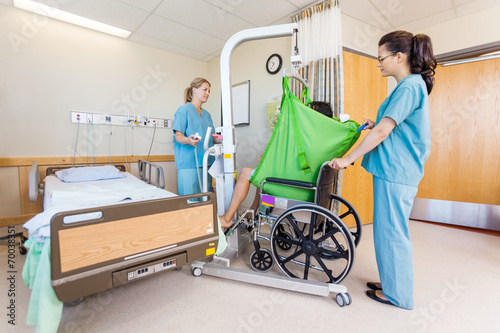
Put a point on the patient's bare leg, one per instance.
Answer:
(239, 194)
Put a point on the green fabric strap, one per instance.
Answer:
(296, 130)
(305, 94)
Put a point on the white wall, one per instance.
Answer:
(479, 28)
(49, 68)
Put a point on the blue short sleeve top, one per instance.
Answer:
(401, 156)
(188, 121)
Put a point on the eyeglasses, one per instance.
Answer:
(380, 59)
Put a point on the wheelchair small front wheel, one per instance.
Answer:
(261, 260)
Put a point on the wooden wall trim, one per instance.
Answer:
(15, 220)
(68, 160)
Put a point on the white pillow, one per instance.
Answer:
(88, 174)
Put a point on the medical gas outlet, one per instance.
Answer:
(119, 120)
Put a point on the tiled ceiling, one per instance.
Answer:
(200, 28)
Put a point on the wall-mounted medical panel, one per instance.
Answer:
(119, 120)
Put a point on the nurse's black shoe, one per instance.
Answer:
(374, 285)
(373, 295)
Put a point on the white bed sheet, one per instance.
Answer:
(102, 192)
(60, 196)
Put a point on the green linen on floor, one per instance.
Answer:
(45, 309)
(222, 241)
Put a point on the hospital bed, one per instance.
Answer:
(107, 233)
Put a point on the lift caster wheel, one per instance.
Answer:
(261, 261)
(196, 271)
(75, 302)
(343, 299)
(22, 250)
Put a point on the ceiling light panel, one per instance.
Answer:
(212, 20)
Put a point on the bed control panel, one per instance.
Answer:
(147, 269)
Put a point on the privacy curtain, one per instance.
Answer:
(319, 42)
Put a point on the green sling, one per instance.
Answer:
(302, 140)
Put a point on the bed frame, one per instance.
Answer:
(113, 245)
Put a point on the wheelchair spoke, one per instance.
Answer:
(306, 267)
(287, 240)
(329, 234)
(312, 225)
(293, 222)
(332, 254)
(349, 212)
(327, 271)
(290, 258)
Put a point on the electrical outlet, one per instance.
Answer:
(89, 118)
(78, 117)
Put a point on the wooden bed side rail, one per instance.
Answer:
(110, 235)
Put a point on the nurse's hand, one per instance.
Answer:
(369, 124)
(192, 140)
(339, 163)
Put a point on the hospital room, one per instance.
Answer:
(249, 166)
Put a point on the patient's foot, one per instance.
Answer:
(224, 223)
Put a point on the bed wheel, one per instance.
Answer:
(343, 299)
(75, 302)
(22, 250)
(196, 271)
(262, 260)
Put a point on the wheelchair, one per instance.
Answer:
(308, 240)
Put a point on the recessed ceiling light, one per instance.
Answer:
(56, 13)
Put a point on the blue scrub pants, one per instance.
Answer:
(187, 181)
(393, 247)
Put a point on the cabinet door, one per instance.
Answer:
(364, 90)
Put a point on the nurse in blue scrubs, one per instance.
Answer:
(190, 119)
(395, 151)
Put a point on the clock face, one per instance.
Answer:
(273, 64)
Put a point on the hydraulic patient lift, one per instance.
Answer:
(225, 182)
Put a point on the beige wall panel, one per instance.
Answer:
(464, 162)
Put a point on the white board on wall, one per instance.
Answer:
(241, 103)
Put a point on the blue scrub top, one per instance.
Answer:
(401, 156)
(188, 121)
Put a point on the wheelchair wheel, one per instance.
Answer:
(261, 261)
(324, 256)
(348, 215)
(285, 244)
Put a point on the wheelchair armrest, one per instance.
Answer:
(289, 182)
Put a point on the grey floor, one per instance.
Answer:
(456, 290)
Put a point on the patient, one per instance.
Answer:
(242, 186)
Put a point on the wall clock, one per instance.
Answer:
(273, 64)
